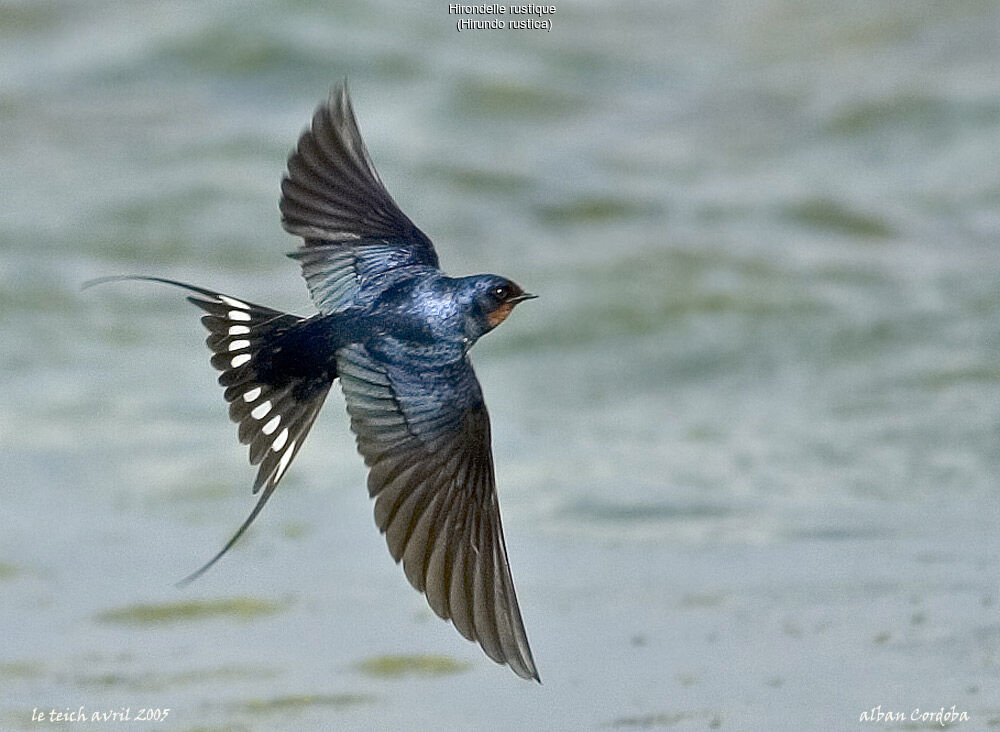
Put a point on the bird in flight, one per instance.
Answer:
(396, 331)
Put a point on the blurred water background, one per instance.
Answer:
(746, 440)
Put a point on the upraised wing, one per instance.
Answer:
(426, 440)
(334, 199)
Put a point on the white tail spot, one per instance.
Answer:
(283, 463)
(272, 425)
(239, 345)
(261, 410)
(238, 330)
(280, 440)
(240, 360)
(238, 315)
(234, 302)
(252, 394)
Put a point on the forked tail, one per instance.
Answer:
(275, 377)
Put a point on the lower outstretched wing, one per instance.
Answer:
(427, 443)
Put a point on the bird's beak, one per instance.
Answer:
(521, 298)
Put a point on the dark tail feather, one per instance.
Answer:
(274, 466)
(276, 378)
(229, 545)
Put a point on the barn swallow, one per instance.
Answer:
(396, 331)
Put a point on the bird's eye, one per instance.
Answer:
(502, 292)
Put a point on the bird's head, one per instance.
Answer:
(488, 300)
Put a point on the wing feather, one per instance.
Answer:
(459, 592)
